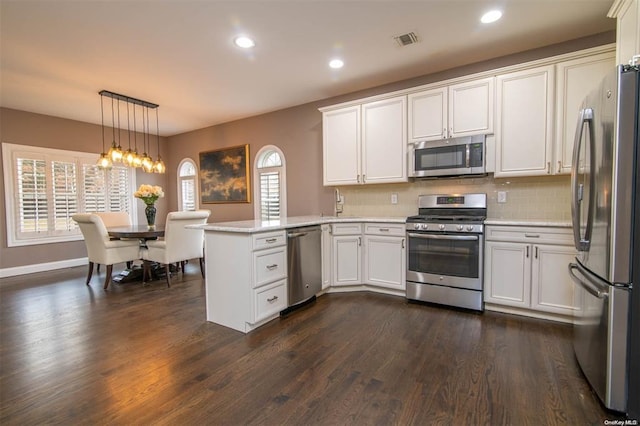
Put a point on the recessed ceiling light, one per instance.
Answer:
(491, 16)
(336, 63)
(244, 42)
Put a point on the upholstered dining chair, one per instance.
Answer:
(179, 243)
(111, 219)
(101, 249)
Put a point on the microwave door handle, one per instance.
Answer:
(587, 282)
(468, 163)
(443, 237)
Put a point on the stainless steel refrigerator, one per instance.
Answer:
(604, 186)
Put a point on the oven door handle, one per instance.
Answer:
(443, 237)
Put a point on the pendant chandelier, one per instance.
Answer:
(130, 157)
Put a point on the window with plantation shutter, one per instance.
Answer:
(269, 195)
(187, 198)
(64, 195)
(31, 196)
(45, 187)
(270, 184)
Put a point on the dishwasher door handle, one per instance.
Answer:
(296, 234)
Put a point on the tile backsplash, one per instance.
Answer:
(531, 198)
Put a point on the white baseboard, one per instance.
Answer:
(42, 267)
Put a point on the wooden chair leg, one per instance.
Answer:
(182, 266)
(129, 263)
(107, 278)
(90, 272)
(202, 266)
(98, 268)
(167, 268)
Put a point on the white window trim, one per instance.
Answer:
(195, 187)
(8, 156)
(256, 181)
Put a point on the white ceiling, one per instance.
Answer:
(56, 55)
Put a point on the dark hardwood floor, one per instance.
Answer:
(76, 354)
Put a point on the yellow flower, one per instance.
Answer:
(149, 193)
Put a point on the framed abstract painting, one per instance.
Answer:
(224, 175)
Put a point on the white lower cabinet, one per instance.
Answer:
(526, 268)
(385, 256)
(326, 256)
(246, 279)
(551, 287)
(374, 256)
(347, 255)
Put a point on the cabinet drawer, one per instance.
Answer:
(270, 300)
(269, 265)
(392, 229)
(534, 235)
(269, 239)
(346, 228)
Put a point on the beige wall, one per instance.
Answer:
(297, 131)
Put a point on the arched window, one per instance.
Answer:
(269, 174)
(187, 192)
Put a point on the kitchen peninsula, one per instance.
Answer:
(246, 263)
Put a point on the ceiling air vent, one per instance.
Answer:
(406, 39)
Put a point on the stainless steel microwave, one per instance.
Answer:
(448, 157)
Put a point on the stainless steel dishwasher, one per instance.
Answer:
(305, 265)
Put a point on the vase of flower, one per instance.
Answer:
(150, 212)
(149, 194)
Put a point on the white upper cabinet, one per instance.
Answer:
(627, 14)
(341, 146)
(524, 128)
(575, 79)
(462, 109)
(428, 115)
(384, 137)
(471, 108)
(366, 143)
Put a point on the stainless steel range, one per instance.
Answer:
(446, 250)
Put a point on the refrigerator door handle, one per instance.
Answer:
(588, 282)
(577, 189)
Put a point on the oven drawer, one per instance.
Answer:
(394, 230)
(529, 234)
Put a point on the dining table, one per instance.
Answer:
(143, 233)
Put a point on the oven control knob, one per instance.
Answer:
(425, 226)
(416, 226)
(441, 226)
(469, 227)
(459, 227)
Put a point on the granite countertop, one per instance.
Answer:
(251, 226)
(528, 222)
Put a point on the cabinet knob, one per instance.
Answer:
(548, 167)
(559, 166)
